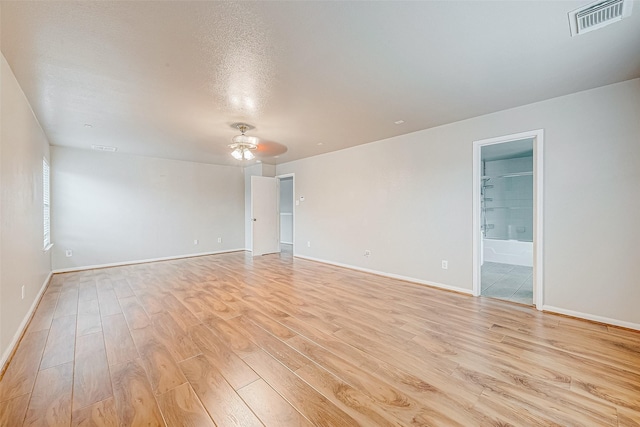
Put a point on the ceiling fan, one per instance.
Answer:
(244, 146)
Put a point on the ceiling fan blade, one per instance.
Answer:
(269, 149)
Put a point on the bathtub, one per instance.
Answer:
(512, 252)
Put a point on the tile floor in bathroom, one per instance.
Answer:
(507, 282)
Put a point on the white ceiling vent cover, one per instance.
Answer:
(598, 15)
(104, 148)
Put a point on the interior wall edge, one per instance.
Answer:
(13, 345)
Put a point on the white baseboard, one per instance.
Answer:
(143, 261)
(592, 317)
(16, 338)
(390, 275)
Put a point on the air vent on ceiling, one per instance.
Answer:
(104, 148)
(597, 15)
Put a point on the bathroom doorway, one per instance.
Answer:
(508, 218)
(286, 212)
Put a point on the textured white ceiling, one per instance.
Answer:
(166, 79)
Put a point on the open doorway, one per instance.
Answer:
(272, 215)
(508, 218)
(286, 208)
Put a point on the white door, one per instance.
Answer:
(264, 215)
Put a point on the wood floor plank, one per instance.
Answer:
(234, 369)
(559, 405)
(23, 368)
(174, 338)
(60, 343)
(589, 378)
(43, 317)
(184, 318)
(601, 348)
(67, 303)
(122, 288)
(353, 402)
(103, 281)
(89, 320)
(180, 406)
(269, 343)
(162, 370)
(221, 401)
(108, 302)
(235, 339)
(118, 342)
(91, 380)
(318, 409)
(440, 408)
(87, 290)
(100, 414)
(134, 399)
(496, 357)
(628, 418)
(134, 313)
(416, 357)
(151, 302)
(50, 403)
(12, 411)
(270, 407)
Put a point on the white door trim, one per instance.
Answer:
(538, 143)
(293, 211)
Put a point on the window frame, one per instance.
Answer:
(46, 204)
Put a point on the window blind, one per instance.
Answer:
(46, 203)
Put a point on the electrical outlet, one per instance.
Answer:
(445, 264)
(68, 253)
(22, 291)
(367, 253)
(308, 244)
(219, 239)
(195, 242)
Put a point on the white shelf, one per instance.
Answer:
(516, 174)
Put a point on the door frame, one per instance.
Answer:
(293, 210)
(538, 245)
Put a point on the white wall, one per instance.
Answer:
(112, 208)
(408, 199)
(23, 262)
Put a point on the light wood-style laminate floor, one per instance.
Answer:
(228, 340)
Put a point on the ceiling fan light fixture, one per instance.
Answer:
(243, 144)
(248, 155)
(237, 154)
(245, 140)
